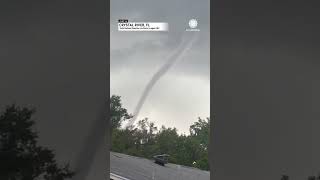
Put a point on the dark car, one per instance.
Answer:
(161, 159)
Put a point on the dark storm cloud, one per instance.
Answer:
(196, 63)
(121, 56)
(166, 11)
(139, 55)
(266, 74)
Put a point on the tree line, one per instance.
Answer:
(144, 139)
(21, 158)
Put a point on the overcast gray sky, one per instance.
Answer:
(181, 95)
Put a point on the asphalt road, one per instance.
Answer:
(135, 168)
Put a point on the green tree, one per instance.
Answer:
(200, 130)
(166, 142)
(146, 131)
(21, 157)
(118, 114)
(123, 140)
(199, 140)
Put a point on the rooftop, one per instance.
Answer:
(136, 168)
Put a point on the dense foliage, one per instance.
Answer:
(146, 140)
(21, 157)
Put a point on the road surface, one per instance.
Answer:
(135, 168)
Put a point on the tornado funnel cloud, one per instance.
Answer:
(93, 142)
(177, 54)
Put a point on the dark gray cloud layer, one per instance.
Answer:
(136, 56)
(266, 79)
(164, 11)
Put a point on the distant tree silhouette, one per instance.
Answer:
(311, 178)
(20, 156)
(285, 177)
